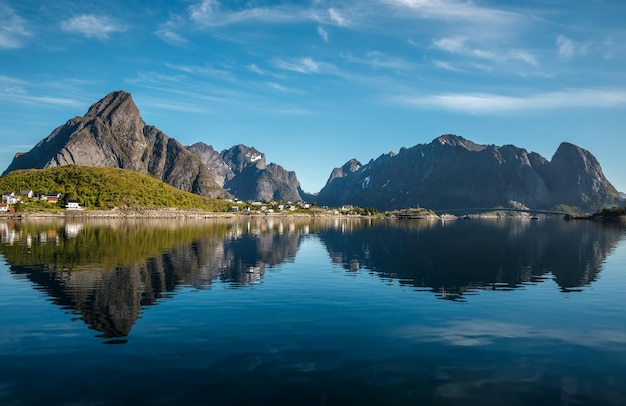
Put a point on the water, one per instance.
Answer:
(285, 311)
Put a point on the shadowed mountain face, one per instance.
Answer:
(108, 272)
(452, 173)
(244, 173)
(113, 134)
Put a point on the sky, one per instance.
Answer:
(313, 84)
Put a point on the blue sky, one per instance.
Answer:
(315, 83)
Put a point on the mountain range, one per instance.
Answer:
(450, 172)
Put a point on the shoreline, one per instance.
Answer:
(147, 213)
(173, 213)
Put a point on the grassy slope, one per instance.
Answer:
(104, 188)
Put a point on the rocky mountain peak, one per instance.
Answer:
(116, 108)
(112, 134)
(458, 141)
(349, 167)
(240, 157)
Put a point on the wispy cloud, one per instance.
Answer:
(568, 48)
(377, 59)
(24, 97)
(171, 37)
(460, 46)
(337, 17)
(305, 65)
(486, 103)
(13, 31)
(21, 91)
(207, 71)
(168, 32)
(212, 13)
(323, 33)
(451, 10)
(254, 68)
(92, 26)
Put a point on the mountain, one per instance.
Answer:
(453, 172)
(113, 134)
(243, 172)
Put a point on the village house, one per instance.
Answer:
(51, 198)
(4, 207)
(10, 198)
(73, 205)
(27, 193)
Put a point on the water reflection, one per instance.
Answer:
(107, 271)
(458, 257)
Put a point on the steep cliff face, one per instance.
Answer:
(243, 171)
(113, 134)
(575, 175)
(452, 172)
(212, 159)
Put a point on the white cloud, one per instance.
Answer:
(459, 46)
(379, 59)
(171, 37)
(336, 17)
(13, 30)
(211, 13)
(254, 68)
(278, 87)
(304, 65)
(92, 26)
(323, 33)
(208, 71)
(568, 48)
(23, 97)
(485, 103)
(167, 31)
(452, 10)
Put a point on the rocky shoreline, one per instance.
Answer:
(147, 213)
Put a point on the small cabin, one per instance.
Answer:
(73, 205)
(27, 193)
(51, 198)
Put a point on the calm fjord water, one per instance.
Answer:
(341, 311)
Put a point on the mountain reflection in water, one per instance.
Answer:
(107, 271)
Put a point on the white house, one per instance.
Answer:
(72, 205)
(10, 198)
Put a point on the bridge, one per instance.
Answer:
(478, 210)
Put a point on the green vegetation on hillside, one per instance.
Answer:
(102, 188)
(610, 212)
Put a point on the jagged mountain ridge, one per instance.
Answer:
(244, 173)
(452, 172)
